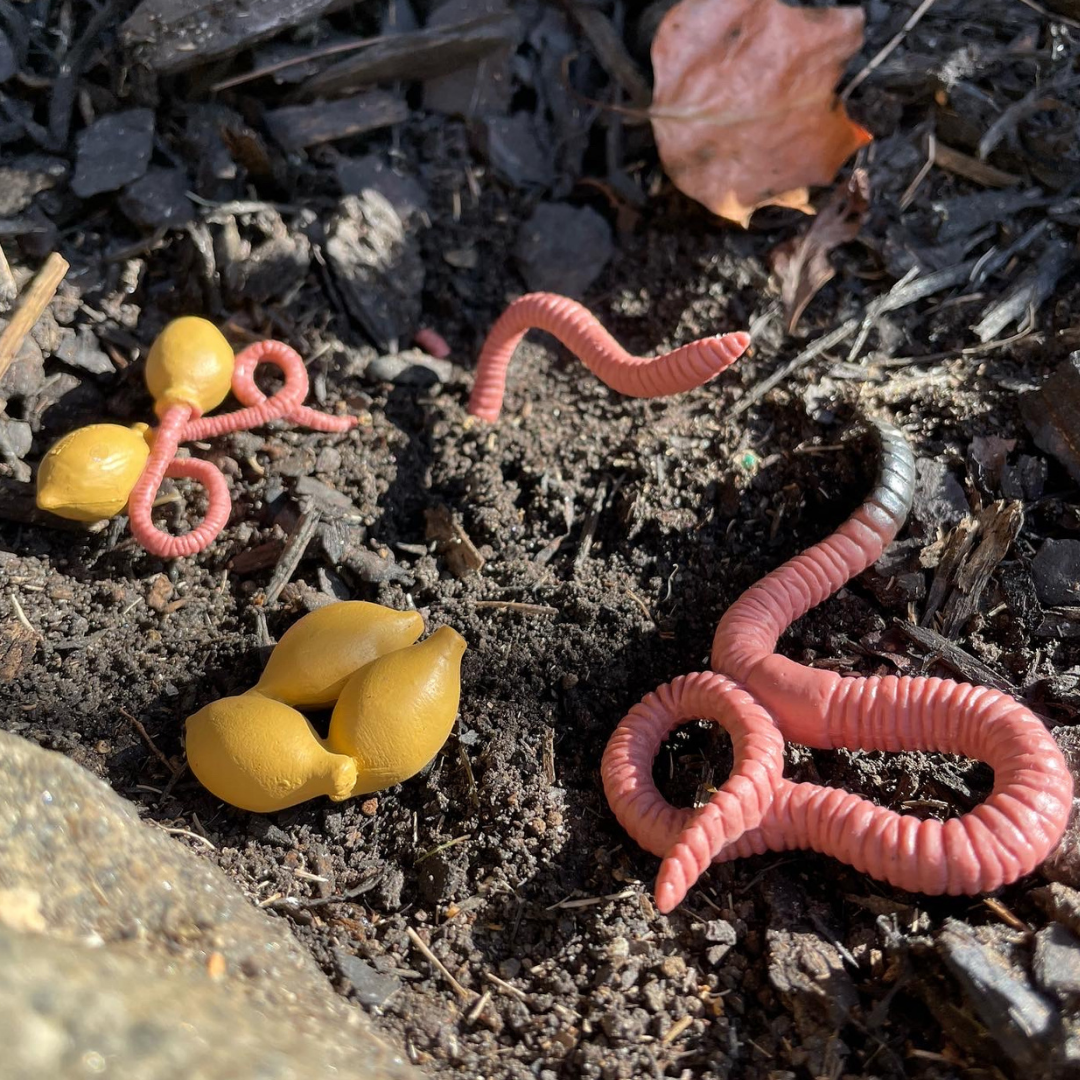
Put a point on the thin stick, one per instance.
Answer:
(34, 301)
(822, 344)
(140, 728)
(440, 967)
(306, 58)
(293, 552)
(886, 52)
(1055, 16)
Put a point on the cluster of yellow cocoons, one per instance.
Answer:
(88, 475)
(394, 704)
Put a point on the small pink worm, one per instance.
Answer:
(432, 342)
(181, 423)
(577, 328)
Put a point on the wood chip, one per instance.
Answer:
(452, 542)
(174, 35)
(419, 55)
(298, 126)
(17, 647)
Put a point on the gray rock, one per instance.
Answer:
(159, 199)
(1056, 570)
(15, 437)
(370, 987)
(939, 496)
(563, 248)
(127, 949)
(410, 368)
(519, 149)
(79, 349)
(372, 173)
(1057, 960)
(377, 266)
(1018, 1017)
(1052, 414)
(113, 151)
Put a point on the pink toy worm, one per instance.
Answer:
(1004, 838)
(635, 376)
(181, 424)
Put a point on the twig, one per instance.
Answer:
(502, 984)
(305, 58)
(954, 657)
(34, 301)
(140, 728)
(188, 833)
(474, 796)
(21, 615)
(440, 967)
(821, 345)
(590, 901)
(588, 530)
(478, 1008)
(442, 847)
(291, 555)
(1053, 15)
(887, 51)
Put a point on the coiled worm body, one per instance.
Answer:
(762, 698)
(182, 423)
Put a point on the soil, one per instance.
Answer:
(503, 854)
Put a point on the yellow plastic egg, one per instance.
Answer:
(316, 655)
(190, 363)
(395, 713)
(88, 475)
(260, 755)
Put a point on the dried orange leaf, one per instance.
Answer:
(744, 109)
(802, 264)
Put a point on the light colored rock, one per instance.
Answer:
(121, 973)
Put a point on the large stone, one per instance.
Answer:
(126, 949)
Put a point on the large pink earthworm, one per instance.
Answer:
(578, 329)
(1002, 839)
(181, 424)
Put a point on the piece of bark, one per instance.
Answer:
(1030, 292)
(174, 35)
(376, 266)
(1052, 415)
(298, 126)
(998, 526)
(422, 54)
(452, 542)
(112, 152)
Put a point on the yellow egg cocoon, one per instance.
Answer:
(190, 363)
(394, 715)
(261, 755)
(316, 655)
(88, 475)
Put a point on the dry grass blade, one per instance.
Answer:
(439, 966)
